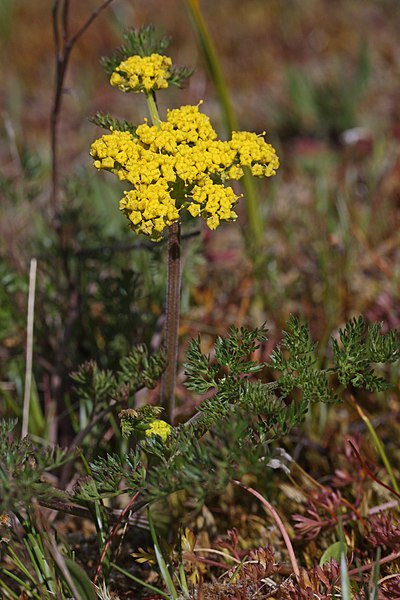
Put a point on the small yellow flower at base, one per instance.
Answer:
(159, 427)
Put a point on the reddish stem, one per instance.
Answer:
(382, 561)
(369, 472)
(112, 535)
(171, 335)
(280, 524)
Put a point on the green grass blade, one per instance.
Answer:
(374, 580)
(238, 569)
(21, 583)
(213, 64)
(8, 593)
(140, 581)
(160, 559)
(379, 447)
(211, 57)
(344, 572)
(81, 581)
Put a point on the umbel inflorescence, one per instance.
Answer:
(178, 163)
(137, 73)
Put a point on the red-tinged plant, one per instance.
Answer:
(384, 531)
(310, 525)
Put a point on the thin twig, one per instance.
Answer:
(29, 347)
(113, 248)
(88, 22)
(63, 45)
(65, 21)
(369, 472)
(279, 522)
(113, 515)
(368, 567)
(54, 13)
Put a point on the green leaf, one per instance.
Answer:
(165, 574)
(81, 581)
(344, 571)
(332, 552)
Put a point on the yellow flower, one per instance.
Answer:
(252, 151)
(142, 74)
(160, 428)
(181, 165)
(150, 208)
(189, 125)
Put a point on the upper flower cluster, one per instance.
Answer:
(142, 74)
(181, 164)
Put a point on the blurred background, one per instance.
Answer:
(321, 77)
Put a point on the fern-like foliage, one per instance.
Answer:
(137, 370)
(144, 42)
(22, 467)
(227, 375)
(231, 360)
(232, 432)
(296, 361)
(94, 384)
(141, 368)
(359, 348)
(111, 124)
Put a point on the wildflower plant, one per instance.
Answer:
(178, 163)
(172, 165)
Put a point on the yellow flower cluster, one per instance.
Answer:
(181, 164)
(159, 427)
(142, 74)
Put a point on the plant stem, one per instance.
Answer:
(29, 347)
(172, 309)
(140, 581)
(153, 110)
(279, 523)
(172, 304)
(378, 444)
(254, 217)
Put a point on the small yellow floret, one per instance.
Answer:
(254, 152)
(189, 125)
(159, 427)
